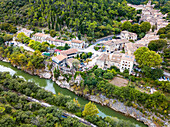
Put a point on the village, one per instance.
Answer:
(96, 69)
(118, 52)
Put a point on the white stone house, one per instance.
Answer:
(127, 62)
(70, 53)
(114, 45)
(26, 32)
(128, 35)
(50, 40)
(102, 60)
(59, 59)
(59, 42)
(40, 37)
(78, 44)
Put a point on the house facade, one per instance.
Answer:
(59, 59)
(26, 32)
(40, 37)
(128, 35)
(127, 62)
(78, 44)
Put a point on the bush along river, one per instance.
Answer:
(53, 87)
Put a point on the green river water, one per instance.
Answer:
(51, 86)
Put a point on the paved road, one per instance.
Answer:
(91, 48)
(65, 113)
(23, 45)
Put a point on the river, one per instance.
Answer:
(51, 86)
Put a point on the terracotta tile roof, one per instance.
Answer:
(77, 41)
(119, 41)
(109, 43)
(103, 57)
(62, 41)
(116, 58)
(41, 35)
(59, 58)
(71, 60)
(128, 57)
(68, 42)
(127, 32)
(49, 39)
(27, 31)
(69, 51)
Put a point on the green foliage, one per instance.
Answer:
(31, 114)
(52, 33)
(162, 36)
(164, 31)
(145, 57)
(152, 73)
(38, 46)
(108, 75)
(65, 47)
(157, 45)
(126, 25)
(72, 14)
(8, 27)
(135, 28)
(5, 37)
(145, 27)
(21, 37)
(137, 2)
(56, 73)
(22, 58)
(90, 109)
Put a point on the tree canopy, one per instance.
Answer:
(145, 57)
(94, 18)
(157, 45)
(90, 109)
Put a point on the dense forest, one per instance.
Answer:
(95, 18)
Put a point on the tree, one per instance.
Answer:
(26, 40)
(56, 73)
(145, 27)
(153, 28)
(126, 25)
(135, 28)
(162, 36)
(161, 31)
(21, 36)
(89, 54)
(52, 46)
(79, 35)
(145, 57)
(108, 75)
(1, 40)
(168, 35)
(75, 64)
(157, 45)
(152, 73)
(90, 109)
(66, 46)
(157, 73)
(52, 33)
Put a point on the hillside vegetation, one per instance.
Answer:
(96, 18)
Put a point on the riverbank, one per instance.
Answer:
(102, 100)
